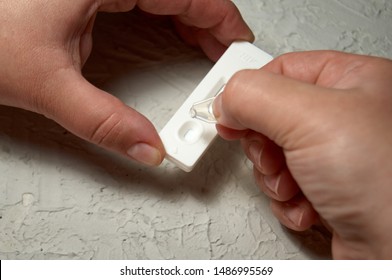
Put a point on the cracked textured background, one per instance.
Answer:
(62, 198)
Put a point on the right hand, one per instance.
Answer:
(318, 128)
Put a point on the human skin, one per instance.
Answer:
(44, 44)
(318, 128)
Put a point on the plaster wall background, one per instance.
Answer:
(62, 198)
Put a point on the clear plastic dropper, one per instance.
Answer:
(203, 110)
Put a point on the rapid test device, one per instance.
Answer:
(191, 130)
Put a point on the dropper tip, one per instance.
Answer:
(193, 112)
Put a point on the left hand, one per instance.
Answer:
(44, 44)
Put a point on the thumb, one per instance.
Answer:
(282, 108)
(100, 118)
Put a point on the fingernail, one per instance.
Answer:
(255, 150)
(294, 214)
(145, 154)
(272, 182)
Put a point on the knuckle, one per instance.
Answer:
(108, 131)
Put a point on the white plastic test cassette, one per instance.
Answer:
(186, 138)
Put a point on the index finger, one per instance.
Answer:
(220, 17)
(329, 69)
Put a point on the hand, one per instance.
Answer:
(318, 128)
(44, 44)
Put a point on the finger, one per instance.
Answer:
(214, 25)
(288, 90)
(230, 134)
(99, 117)
(278, 107)
(267, 157)
(296, 214)
(221, 17)
(211, 46)
(331, 69)
(304, 66)
(116, 5)
(201, 38)
(86, 41)
(280, 186)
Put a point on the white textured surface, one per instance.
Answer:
(61, 197)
